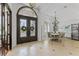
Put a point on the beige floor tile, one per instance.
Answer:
(67, 47)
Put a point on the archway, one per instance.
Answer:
(26, 24)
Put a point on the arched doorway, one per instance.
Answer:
(26, 25)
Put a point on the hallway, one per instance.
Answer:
(23, 23)
(67, 47)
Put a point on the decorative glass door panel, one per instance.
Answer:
(32, 27)
(23, 28)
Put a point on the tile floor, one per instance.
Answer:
(67, 47)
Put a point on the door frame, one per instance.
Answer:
(26, 16)
(6, 5)
(3, 5)
(28, 33)
(29, 16)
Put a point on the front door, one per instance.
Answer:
(27, 29)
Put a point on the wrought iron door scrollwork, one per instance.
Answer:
(31, 28)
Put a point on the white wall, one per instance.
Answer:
(14, 8)
(65, 16)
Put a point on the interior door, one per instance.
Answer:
(27, 29)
